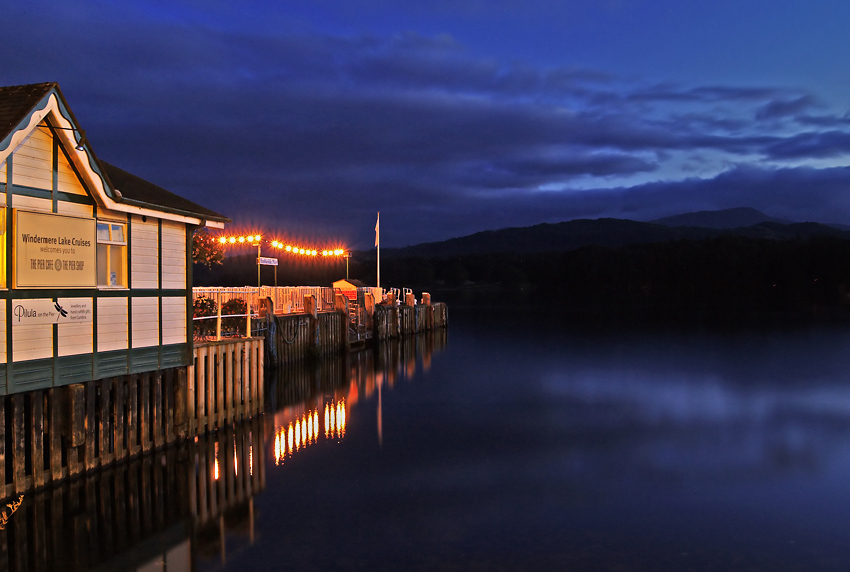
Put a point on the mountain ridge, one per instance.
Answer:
(613, 233)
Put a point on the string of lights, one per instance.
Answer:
(257, 240)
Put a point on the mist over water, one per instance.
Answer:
(532, 442)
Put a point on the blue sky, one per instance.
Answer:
(304, 119)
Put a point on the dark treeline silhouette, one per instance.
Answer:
(727, 271)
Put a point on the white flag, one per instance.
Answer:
(377, 231)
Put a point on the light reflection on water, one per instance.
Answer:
(532, 443)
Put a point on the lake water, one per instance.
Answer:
(512, 441)
(530, 442)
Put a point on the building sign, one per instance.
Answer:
(267, 261)
(54, 251)
(63, 311)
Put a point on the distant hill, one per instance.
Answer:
(720, 219)
(610, 232)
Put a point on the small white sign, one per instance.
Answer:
(43, 311)
(263, 261)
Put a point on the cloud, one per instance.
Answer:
(316, 131)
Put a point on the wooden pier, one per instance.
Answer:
(53, 434)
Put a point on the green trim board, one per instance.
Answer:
(72, 369)
(25, 191)
(110, 364)
(66, 370)
(144, 359)
(31, 375)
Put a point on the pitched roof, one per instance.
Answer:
(17, 102)
(139, 192)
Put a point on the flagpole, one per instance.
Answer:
(378, 244)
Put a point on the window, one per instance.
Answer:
(111, 254)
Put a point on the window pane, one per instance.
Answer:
(116, 266)
(102, 231)
(101, 263)
(118, 232)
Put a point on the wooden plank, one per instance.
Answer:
(244, 352)
(182, 401)
(37, 437)
(104, 424)
(201, 396)
(212, 382)
(91, 459)
(157, 411)
(119, 420)
(238, 392)
(230, 361)
(190, 395)
(144, 382)
(221, 405)
(3, 454)
(19, 457)
(76, 408)
(261, 356)
(54, 434)
(253, 344)
(133, 415)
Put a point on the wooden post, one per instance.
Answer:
(221, 382)
(90, 426)
(201, 393)
(120, 443)
(145, 412)
(182, 401)
(77, 427)
(133, 415)
(19, 458)
(160, 411)
(105, 427)
(218, 318)
(37, 439)
(3, 453)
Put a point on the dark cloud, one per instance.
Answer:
(285, 127)
(781, 108)
(809, 145)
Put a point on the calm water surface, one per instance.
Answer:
(529, 442)
(513, 441)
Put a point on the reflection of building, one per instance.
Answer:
(171, 507)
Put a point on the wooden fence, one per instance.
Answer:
(225, 384)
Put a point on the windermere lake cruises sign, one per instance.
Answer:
(54, 251)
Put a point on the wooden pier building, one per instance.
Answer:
(95, 300)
